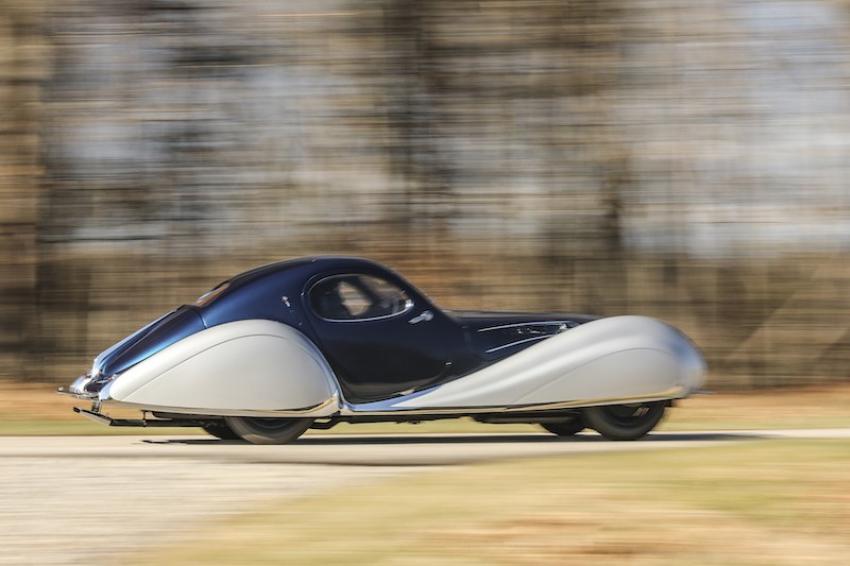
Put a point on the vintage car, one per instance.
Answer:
(313, 342)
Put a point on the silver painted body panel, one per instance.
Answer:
(249, 367)
(265, 368)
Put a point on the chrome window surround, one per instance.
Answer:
(408, 303)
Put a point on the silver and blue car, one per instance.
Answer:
(313, 342)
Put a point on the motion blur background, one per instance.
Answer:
(686, 160)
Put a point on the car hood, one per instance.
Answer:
(496, 335)
(150, 339)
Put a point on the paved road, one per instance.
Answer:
(73, 500)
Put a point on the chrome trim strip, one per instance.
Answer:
(324, 409)
(518, 342)
(567, 323)
(424, 316)
(672, 393)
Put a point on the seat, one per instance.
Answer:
(331, 306)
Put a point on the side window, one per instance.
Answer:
(352, 299)
(357, 297)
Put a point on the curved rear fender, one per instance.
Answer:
(249, 367)
(617, 359)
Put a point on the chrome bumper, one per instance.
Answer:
(88, 387)
(78, 388)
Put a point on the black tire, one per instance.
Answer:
(569, 427)
(262, 430)
(625, 422)
(220, 430)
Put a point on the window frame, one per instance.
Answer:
(409, 303)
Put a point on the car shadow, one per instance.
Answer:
(430, 450)
(409, 439)
(512, 438)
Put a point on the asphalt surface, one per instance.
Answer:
(90, 499)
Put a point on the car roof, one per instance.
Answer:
(256, 293)
(313, 264)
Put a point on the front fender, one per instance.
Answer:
(248, 367)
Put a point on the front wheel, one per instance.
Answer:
(624, 422)
(263, 430)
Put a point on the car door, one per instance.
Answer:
(381, 337)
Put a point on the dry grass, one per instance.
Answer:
(765, 502)
(37, 409)
(809, 407)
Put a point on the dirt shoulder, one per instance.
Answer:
(750, 503)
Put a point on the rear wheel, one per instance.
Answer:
(569, 427)
(219, 429)
(263, 430)
(624, 422)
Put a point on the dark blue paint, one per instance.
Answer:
(151, 339)
(376, 359)
(518, 327)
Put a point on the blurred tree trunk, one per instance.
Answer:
(413, 92)
(23, 66)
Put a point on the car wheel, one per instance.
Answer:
(569, 427)
(220, 430)
(263, 430)
(624, 422)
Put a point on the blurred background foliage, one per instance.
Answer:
(686, 160)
